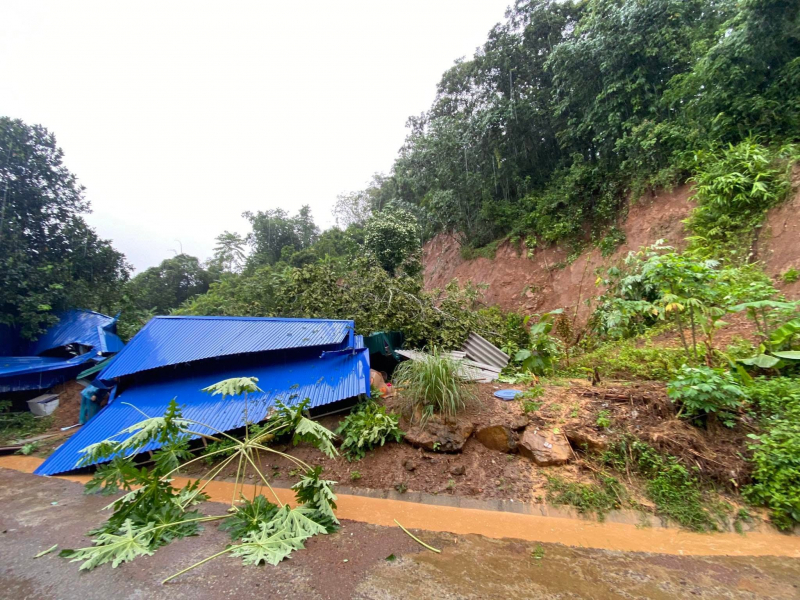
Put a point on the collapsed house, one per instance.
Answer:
(77, 341)
(176, 357)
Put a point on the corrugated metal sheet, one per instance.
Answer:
(482, 351)
(82, 327)
(168, 341)
(18, 373)
(333, 377)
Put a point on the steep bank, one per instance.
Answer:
(547, 281)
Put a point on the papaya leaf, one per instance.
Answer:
(115, 548)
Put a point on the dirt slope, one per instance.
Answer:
(546, 281)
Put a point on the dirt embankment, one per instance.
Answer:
(547, 281)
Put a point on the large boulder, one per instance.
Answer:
(439, 435)
(497, 437)
(544, 448)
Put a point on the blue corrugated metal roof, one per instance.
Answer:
(334, 376)
(82, 327)
(36, 372)
(168, 341)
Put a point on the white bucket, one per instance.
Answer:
(44, 405)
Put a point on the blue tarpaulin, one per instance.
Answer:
(331, 370)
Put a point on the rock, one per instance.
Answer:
(409, 465)
(440, 436)
(497, 437)
(587, 439)
(544, 448)
(518, 422)
(458, 470)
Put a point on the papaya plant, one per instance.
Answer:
(152, 513)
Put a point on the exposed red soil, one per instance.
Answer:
(545, 281)
(69, 405)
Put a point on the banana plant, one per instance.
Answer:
(775, 350)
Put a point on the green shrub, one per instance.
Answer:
(612, 240)
(604, 419)
(791, 275)
(735, 186)
(587, 498)
(367, 427)
(529, 406)
(543, 349)
(432, 384)
(671, 486)
(627, 360)
(15, 425)
(776, 472)
(703, 392)
(776, 451)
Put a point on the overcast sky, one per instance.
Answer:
(179, 116)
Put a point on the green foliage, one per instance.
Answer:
(433, 383)
(671, 486)
(50, 259)
(167, 286)
(130, 543)
(235, 386)
(613, 238)
(276, 236)
(597, 498)
(543, 349)
(19, 425)
(278, 538)
(703, 392)
(367, 427)
(790, 275)
(734, 188)
(571, 108)
(603, 419)
(392, 237)
(488, 251)
(776, 450)
(317, 496)
(249, 517)
(366, 293)
(153, 513)
(633, 359)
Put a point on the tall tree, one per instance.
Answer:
(277, 235)
(229, 252)
(168, 285)
(50, 259)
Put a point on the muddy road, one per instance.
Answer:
(39, 512)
